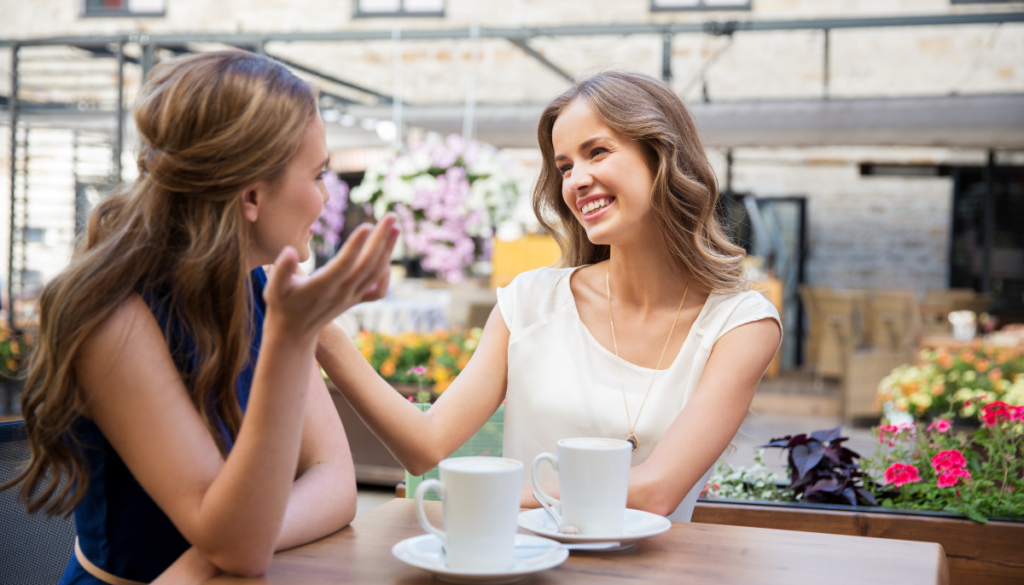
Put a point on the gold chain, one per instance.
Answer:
(632, 426)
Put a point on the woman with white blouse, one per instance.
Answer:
(648, 333)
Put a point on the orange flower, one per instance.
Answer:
(387, 369)
(967, 356)
(453, 350)
(995, 375)
(440, 387)
(981, 366)
(945, 360)
(461, 364)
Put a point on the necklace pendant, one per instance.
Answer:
(633, 441)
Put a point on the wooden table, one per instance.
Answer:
(688, 553)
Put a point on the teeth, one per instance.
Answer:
(596, 204)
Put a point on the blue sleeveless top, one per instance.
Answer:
(120, 528)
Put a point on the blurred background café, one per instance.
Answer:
(870, 157)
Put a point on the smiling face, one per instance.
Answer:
(282, 213)
(606, 180)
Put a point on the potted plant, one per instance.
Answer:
(932, 484)
(420, 366)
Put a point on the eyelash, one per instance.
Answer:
(320, 176)
(565, 168)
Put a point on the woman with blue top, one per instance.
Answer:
(174, 385)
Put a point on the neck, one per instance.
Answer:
(644, 275)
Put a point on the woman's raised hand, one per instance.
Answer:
(299, 305)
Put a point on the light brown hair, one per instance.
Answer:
(211, 125)
(685, 193)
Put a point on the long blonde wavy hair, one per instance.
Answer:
(211, 125)
(685, 193)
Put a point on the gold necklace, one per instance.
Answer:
(632, 426)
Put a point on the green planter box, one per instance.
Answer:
(486, 442)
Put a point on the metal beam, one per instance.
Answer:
(522, 44)
(385, 99)
(711, 27)
(13, 115)
(148, 56)
(119, 137)
(825, 68)
(666, 58)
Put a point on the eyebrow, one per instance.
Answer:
(586, 144)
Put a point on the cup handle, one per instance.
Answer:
(427, 485)
(553, 460)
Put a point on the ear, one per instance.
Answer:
(252, 200)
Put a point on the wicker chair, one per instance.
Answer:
(35, 548)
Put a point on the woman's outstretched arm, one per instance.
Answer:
(420, 440)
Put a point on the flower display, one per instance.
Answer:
(963, 380)
(327, 230)
(900, 474)
(15, 350)
(419, 358)
(978, 474)
(449, 195)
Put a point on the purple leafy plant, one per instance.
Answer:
(822, 470)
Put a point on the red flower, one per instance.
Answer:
(948, 460)
(901, 474)
(940, 424)
(951, 477)
(997, 412)
(1017, 413)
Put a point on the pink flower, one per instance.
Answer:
(948, 460)
(410, 399)
(940, 424)
(418, 371)
(900, 474)
(997, 412)
(952, 477)
(1017, 413)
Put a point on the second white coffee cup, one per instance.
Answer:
(481, 507)
(593, 480)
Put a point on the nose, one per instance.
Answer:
(578, 181)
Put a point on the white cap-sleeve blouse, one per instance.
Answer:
(562, 383)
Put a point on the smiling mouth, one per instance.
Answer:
(594, 207)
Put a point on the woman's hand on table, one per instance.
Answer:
(191, 568)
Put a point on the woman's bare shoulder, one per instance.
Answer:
(129, 333)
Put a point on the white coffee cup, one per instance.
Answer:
(481, 508)
(593, 479)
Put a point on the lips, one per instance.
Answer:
(593, 206)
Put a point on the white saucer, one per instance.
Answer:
(638, 525)
(424, 552)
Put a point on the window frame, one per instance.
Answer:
(400, 13)
(86, 12)
(701, 7)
